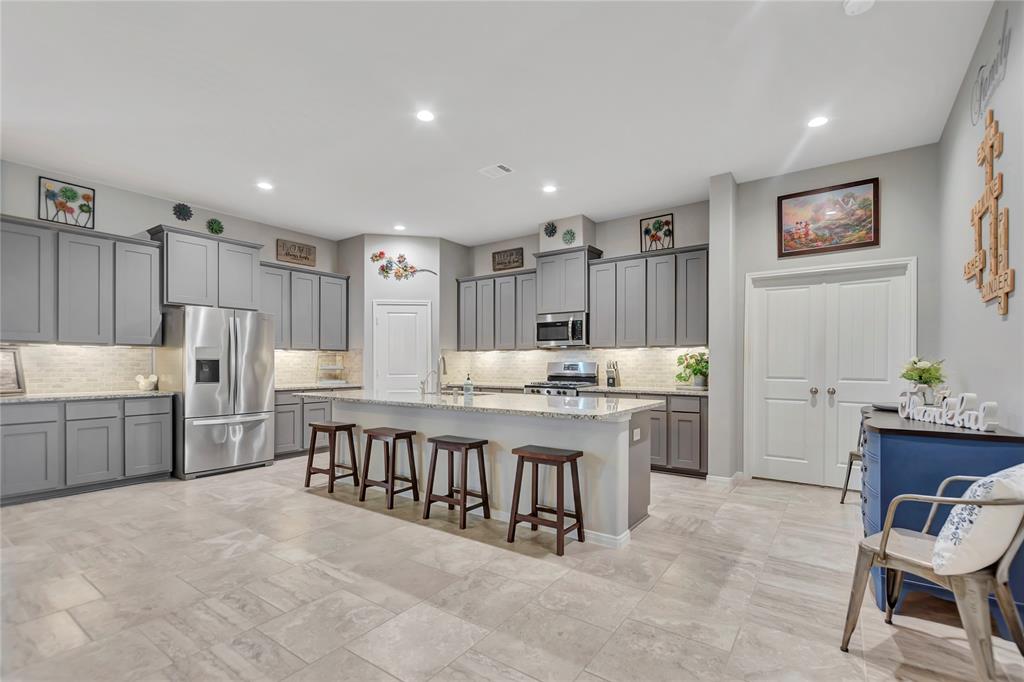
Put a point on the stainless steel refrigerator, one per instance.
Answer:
(220, 363)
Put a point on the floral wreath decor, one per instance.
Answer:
(569, 236)
(215, 226)
(400, 268)
(550, 229)
(182, 212)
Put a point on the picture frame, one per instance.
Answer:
(507, 259)
(829, 219)
(657, 233)
(296, 252)
(12, 378)
(67, 203)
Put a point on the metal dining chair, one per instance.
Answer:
(855, 455)
(900, 550)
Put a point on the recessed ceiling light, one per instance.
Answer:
(425, 115)
(817, 122)
(855, 7)
(549, 189)
(400, 228)
(264, 185)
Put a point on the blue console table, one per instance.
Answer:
(903, 456)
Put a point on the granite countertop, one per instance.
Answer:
(69, 397)
(315, 387)
(488, 385)
(553, 407)
(659, 390)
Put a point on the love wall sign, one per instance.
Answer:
(999, 285)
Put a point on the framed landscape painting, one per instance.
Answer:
(829, 219)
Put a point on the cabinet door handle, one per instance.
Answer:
(831, 391)
(814, 390)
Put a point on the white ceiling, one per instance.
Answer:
(625, 106)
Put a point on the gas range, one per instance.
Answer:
(565, 378)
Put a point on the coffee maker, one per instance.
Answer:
(612, 372)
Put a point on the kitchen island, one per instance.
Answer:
(613, 433)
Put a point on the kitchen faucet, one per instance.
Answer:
(426, 380)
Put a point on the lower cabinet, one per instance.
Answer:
(95, 450)
(659, 439)
(684, 438)
(147, 444)
(679, 434)
(288, 428)
(315, 412)
(30, 458)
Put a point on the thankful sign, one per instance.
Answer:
(960, 410)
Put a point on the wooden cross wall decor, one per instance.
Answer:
(1000, 282)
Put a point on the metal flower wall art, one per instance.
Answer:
(400, 268)
(67, 203)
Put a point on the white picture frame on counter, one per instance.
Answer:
(12, 379)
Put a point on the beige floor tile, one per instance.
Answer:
(28, 601)
(298, 585)
(544, 644)
(228, 575)
(316, 629)
(716, 627)
(473, 666)
(228, 545)
(254, 650)
(704, 568)
(39, 639)
(536, 572)
(640, 652)
(761, 653)
(341, 665)
(126, 656)
(591, 599)
(104, 617)
(394, 583)
(310, 546)
(417, 644)
(624, 566)
(484, 598)
(460, 557)
(195, 627)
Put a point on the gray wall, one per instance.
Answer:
(128, 213)
(456, 261)
(481, 255)
(984, 351)
(352, 261)
(621, 237)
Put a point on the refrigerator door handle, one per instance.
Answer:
(217, 421)
(233, 362)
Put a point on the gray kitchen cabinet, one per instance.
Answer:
(630, 307)
(602, 305)
(148, 444)
(305, 313)
(659, 438)
(692, 298)
(190, 269)
(562, 282)
(526, 311)
(288, 428)
(137, 318)
(85, 289)
(485, 314)
(333, 313)
(28, 283)
(315, 411)
(276, 300)
(238, 276)
(94, 450)
(661, 301)
(467, 315)
(505, 313)
(30, 458)
(684, 439)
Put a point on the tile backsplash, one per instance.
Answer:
(296, 367)
(83, 369)
(646, 367)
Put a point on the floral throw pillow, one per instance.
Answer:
(976, 537)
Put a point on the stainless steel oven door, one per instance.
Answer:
(561, 329)
(222, 442)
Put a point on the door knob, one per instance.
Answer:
(814, 390)
(831, 391)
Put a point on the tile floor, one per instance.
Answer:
(249, 576)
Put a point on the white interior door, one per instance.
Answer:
(401, 346)
(821, 345)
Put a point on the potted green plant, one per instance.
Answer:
(926, 375)
(695, 368)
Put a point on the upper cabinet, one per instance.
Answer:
(310, 308)
(208, 270)
(505, 313)
(305, 311)
(630, 305)
(276, 300)
(498, 312)
(85, 289)
(485, 314)
(562, 280)
(602, 305)
(661, 301)
(526, 311)
(692, 298)
(333, 313)
(28, 283)
(467, 315)
(137, 318)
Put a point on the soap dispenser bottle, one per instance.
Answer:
(467, 387)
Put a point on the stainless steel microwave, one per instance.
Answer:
(562, 329)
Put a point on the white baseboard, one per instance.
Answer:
(735, 478)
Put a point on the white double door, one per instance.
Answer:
(821, 346)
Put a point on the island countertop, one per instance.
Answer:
(553, 407)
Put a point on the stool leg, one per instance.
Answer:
(560, 510)
(389, 471)
(577, 501)
(332, 442)
(355, 460)
(463, 490)
(366, 468)
(451, 477)
(483, 482)
(533, 493)
(412, 470)
(430, 481)
(312, 449)
(515, 500)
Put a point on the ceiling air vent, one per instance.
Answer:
(498, 170)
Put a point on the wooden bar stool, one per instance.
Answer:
(461, 445)
(390, 437)
(332, 429)
(558, 458)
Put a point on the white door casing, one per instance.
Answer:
(401, 346)
(848, 328)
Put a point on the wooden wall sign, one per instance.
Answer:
(1000, 283)
(296, 252)
(507, 259)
